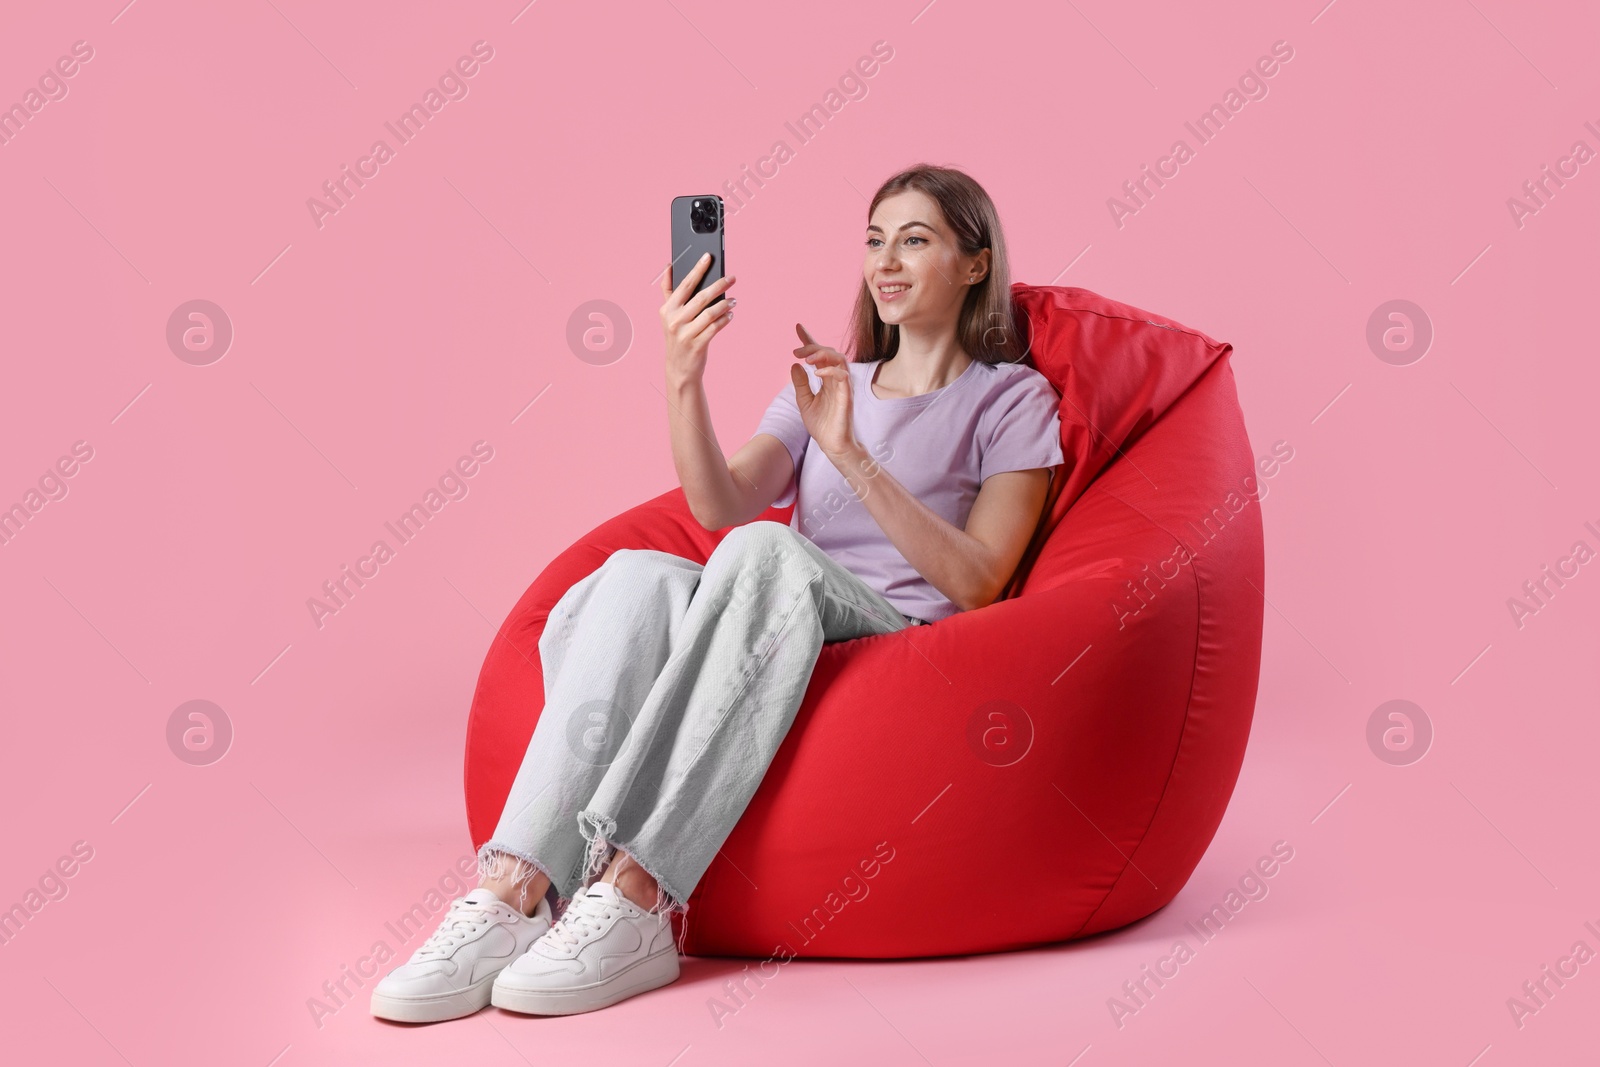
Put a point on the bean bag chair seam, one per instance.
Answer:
(1177, 750)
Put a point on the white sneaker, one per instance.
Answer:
(451, 973)
(604, 949)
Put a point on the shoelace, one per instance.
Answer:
(585, 915)
(459, 923)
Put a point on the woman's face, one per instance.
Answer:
(913, 265)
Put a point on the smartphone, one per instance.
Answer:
(696, 230)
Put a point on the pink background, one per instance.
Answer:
(432, 309)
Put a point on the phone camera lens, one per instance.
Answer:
(703, 216)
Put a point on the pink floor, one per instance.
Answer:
(209, 498)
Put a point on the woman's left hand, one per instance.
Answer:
(827, 414)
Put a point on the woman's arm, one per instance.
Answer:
(972, 566)
(722, 492)
(719, 493)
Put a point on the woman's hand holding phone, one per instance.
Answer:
(689, 323)
(827, 413)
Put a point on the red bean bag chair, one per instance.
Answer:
(1077, 740)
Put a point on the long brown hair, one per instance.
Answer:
(987, 326)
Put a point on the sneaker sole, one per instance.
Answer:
(649, 973)
(436, 1007)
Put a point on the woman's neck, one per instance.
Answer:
(923, 362)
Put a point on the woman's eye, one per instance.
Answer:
(922, 239)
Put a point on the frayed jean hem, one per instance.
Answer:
(499, 862)
(597, 829)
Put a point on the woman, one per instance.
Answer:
(919, 471)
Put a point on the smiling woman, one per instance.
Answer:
(670, 684)
(938, 376)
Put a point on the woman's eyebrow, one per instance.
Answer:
(903, 226)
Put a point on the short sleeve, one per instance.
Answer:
(782, 420)
(1024, 428)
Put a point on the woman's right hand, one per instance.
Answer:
(690, 324)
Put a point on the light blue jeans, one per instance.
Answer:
(668, 689)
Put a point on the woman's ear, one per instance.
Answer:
(980, 267)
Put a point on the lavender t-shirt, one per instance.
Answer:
(940, 445)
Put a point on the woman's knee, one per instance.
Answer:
(759, 553)
(625, 572)
(645, 563)
(631, 558)
(762, 539)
